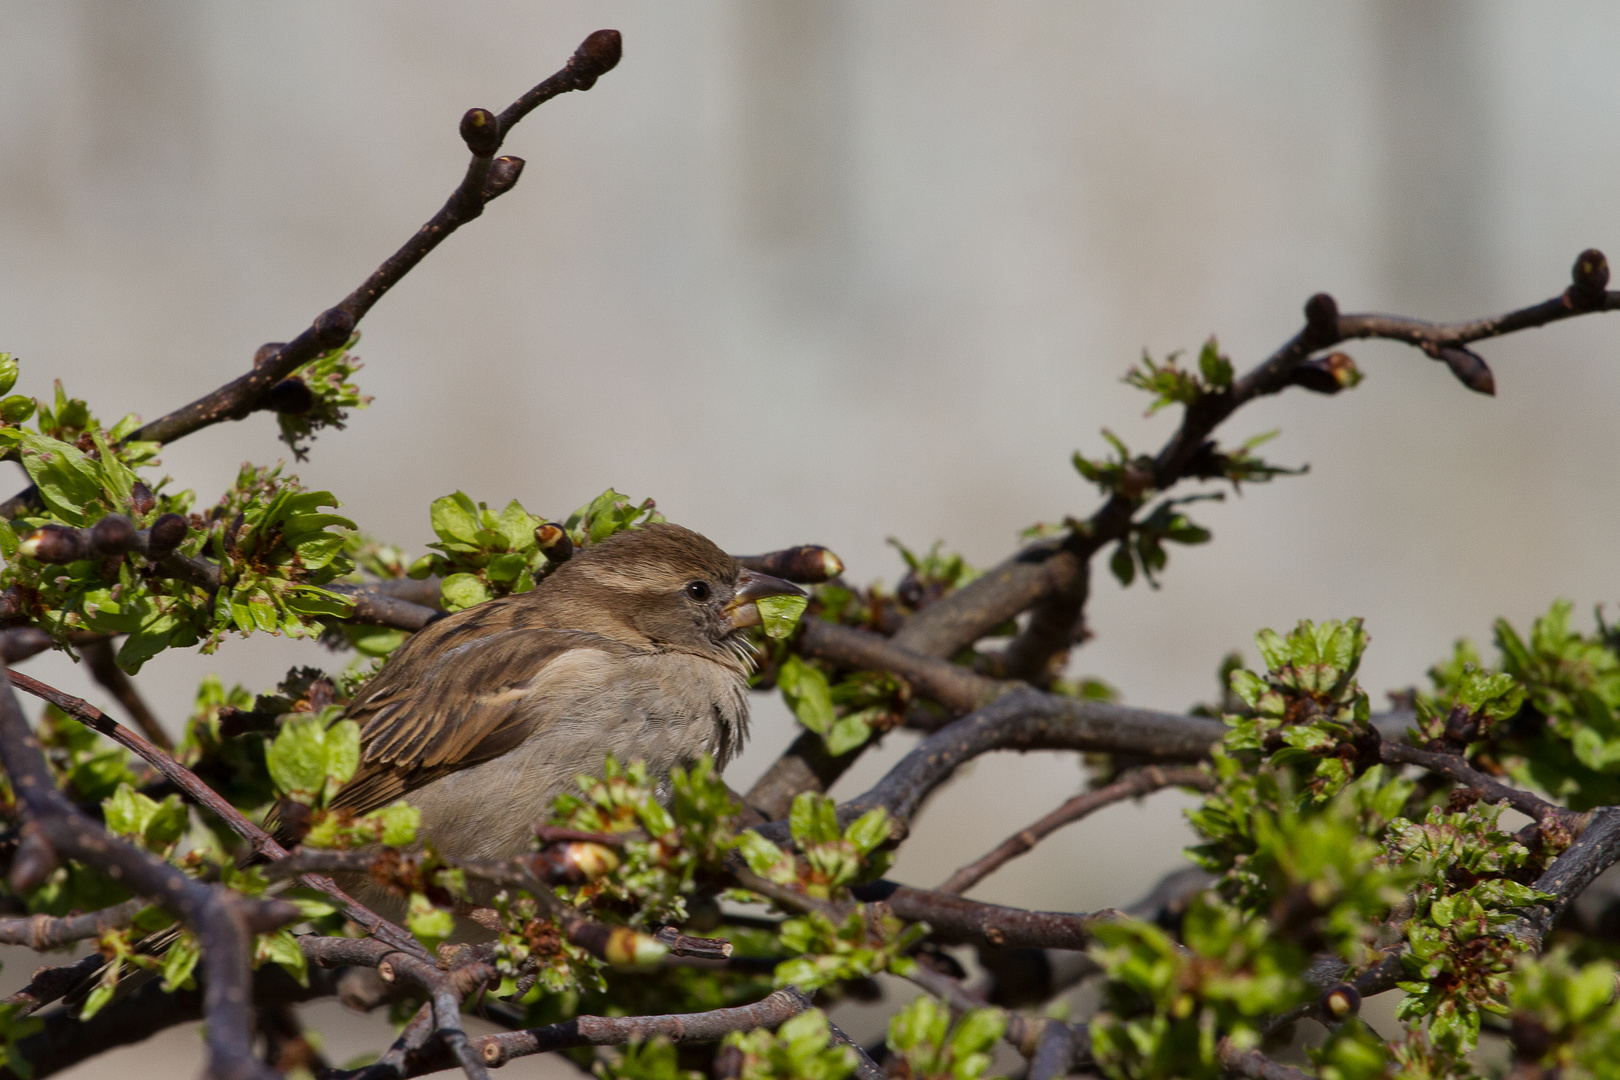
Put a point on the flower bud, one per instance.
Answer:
(481, 131)
(1469, 367)
(333, 328)
(54, 544)
(503, 173)
(596, 56)
(1589, 277)
(164, 536)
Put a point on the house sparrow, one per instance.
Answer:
(633, 648)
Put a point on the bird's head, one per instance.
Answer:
(669, 586)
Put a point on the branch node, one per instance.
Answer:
(1589, 277)
(1321, 320)
(333, 327)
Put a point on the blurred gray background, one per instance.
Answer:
(834, 272)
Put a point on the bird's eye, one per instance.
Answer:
(698, 590)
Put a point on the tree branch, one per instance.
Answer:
(955, 920)
(43, 932)
(1056, 567)
(1455, 767)
(1132, 785)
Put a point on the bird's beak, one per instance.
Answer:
(752, 586)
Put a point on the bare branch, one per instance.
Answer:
(808, 564)
(1132, 785)
(44, 932)
(1254, 1064)
(956, 920)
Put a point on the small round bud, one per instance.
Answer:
(267, 352)
(1469, 367)
(333, 328)
(164, 536)
(291, 397)
(481, 131)
(112, 535)
(596, 56)
(503, 173)
(1322, 319)
(1342, 1002)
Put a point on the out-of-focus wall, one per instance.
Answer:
(834, 272)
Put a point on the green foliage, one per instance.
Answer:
(482, 555)
(1165, 1007)
(1306, 713)
(1566, 1019)
(779, 615)
(155, 826)
(828, 859)
(1143, 545)
(655, 872)
(1459, 960)
(312, 756)
(801, 1049)
(807, 692)
(86, 765)
(14, 1027)
(1172, 385)
(922, 1035)
(328, 378)
(655, 1060)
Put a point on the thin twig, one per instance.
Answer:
(1131, 786)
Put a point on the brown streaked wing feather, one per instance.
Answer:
(453, 704)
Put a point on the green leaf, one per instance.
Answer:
(400, 821)
(282, 948)
(179, 962)
(806, 692)
(8, 372)
(847, 733)
(780, 614)
(869, 830)
(460, 591)
(455, 519)
(68, 481)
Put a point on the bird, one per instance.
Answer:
(634, 647)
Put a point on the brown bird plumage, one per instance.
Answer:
(632, 648)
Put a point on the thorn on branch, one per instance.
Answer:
(1589, 278)
(1321, 321)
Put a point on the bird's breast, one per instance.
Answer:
(666, 709)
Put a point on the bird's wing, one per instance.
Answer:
(455, 702)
